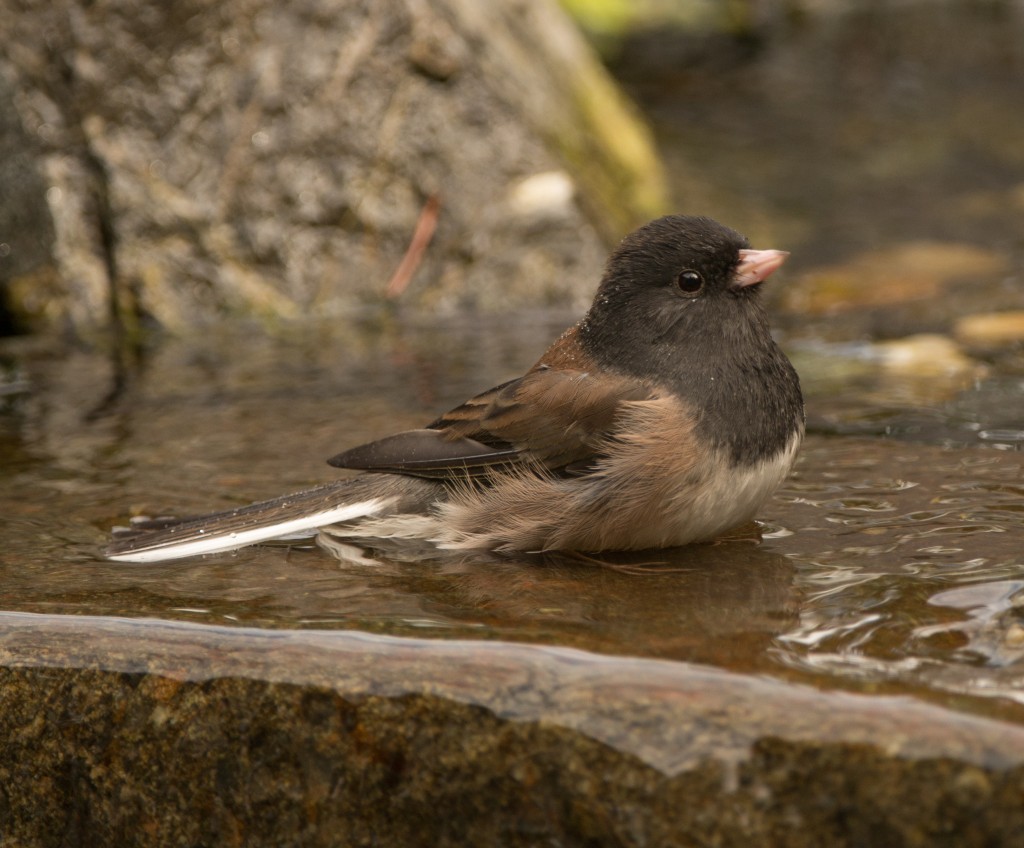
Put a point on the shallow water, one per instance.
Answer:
(893, 560)
(887, 563)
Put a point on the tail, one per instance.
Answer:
(297, 515)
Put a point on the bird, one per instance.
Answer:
(667, 415)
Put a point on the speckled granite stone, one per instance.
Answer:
(271, 159)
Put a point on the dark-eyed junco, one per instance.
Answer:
(667, 415)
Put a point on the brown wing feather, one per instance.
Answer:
(552, 417)
(557, 415)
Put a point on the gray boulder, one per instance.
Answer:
(190, 160)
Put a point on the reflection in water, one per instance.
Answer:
(720, 604)
(900, 525)
(994, 628)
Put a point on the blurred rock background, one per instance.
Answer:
(178, 162)
(173, 165)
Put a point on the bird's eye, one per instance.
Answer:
(690, 282)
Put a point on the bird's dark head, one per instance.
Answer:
(679, 283)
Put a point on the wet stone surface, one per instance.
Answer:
(323, 739)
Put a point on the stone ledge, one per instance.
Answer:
(143, 731)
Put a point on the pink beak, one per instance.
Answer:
(756, 266)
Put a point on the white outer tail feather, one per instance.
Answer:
(241, 538)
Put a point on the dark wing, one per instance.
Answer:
(426, 453)
(554, 418)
